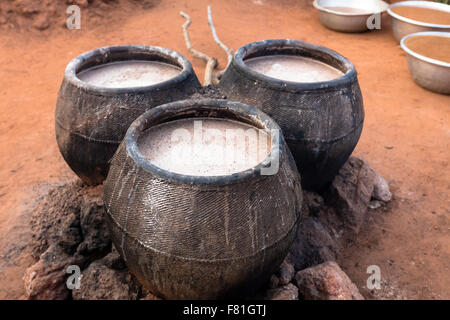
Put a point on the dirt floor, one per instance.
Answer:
(405, 138)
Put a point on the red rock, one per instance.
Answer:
(98, 282)
(46, 279)
(326, 281)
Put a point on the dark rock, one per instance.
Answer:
(98, 282)
(287, 272)
(113, 260)
(312, 245)
(56, 219)
(96, 240)
(274, 281)
(326, 281)
(71, 216)
(286, 292)
(351, 191)
(67, 228)
(70, 233)
(313, 201)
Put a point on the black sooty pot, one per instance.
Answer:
(321, 121)
(202, 237)
(91, 121)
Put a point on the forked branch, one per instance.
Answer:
(227, 50)
(211, 63)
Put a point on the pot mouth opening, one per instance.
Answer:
(140, 56)
(297, 52)
(209, 109)
(296, 48)
(132, 53)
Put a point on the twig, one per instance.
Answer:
(228, 51)
(211, 63)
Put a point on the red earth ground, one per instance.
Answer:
(405, 137)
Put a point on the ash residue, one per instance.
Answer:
(68, 228)
(212, 92)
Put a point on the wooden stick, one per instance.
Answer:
(211, 63)
(227, 50)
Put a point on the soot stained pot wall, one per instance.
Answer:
(91, 121)
(201, 237)
(321, 121)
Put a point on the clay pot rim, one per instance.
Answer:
(283, 46)
(193, 108)
(117, 53)
(420, 4)
(404, 46)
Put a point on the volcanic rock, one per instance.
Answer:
(326, 281)
(98, 282)
(274, 281)
(351, 191)
(312, 245)
(46, 280)
(286, 273)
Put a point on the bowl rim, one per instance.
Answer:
(179, 108)
(317, 5)
(104, 53)
(419, 56)
(421, 4)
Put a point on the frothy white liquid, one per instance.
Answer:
(126, 74)
(204, 146)
(293, 68)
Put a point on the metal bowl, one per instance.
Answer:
(348, 21)
(429, 73)
(402, 26)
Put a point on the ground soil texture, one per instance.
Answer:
(405, 137)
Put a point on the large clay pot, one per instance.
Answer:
(91, 121)
(202, 237)
(321, 121)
